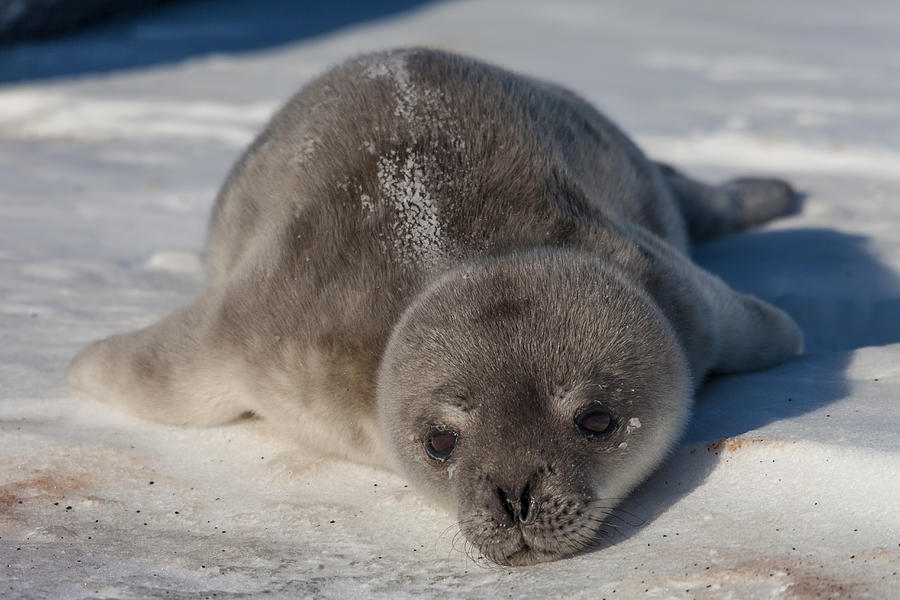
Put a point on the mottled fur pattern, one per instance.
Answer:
(420, 239)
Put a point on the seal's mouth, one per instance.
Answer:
(515, 552)
(527, 555)
(554, 527)
(520, 545)
(519, 555)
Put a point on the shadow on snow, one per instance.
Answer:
(842, 296)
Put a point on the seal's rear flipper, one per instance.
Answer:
(167, 372)
(712, 210)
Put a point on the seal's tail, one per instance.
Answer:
(713, 210)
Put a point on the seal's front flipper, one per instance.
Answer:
(712, 210)
(720, 330)
(724, 331)
(168, 372)
(754, 335)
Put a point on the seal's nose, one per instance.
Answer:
(524, 508)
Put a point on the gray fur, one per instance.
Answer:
(420, 239)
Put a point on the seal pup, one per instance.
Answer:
(430, 264)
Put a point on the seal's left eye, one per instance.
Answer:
(440, 442)
(596, 421)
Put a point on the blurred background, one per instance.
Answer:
(51, 38)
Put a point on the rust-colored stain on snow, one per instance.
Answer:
(891, 555)
(40, 483)
(733, 444)
(402, 495)
(79, 471)
(810, 584)
(778, 577)
(791, 578)
(7, 499)
(729, 444)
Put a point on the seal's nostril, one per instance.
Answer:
(506, 503)
(524, 509)
(527, 507)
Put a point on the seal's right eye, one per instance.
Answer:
(440, 442)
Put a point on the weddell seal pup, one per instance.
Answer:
(430, 264)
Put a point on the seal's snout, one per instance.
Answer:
(521, 515)
(521, 507)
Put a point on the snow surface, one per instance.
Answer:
(788, 481)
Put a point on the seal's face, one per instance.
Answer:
(531, 395)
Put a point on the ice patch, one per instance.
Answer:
(423, 108)
(377, 69)
(48, 114)
(305, 149)
(49, 271)
(174, 262)
(738, 67)
(417, 236)
(755, 152)
(395, 67)
(833, 105)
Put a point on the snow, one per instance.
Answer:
(787, 482)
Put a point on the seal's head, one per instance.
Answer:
(531, 394)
